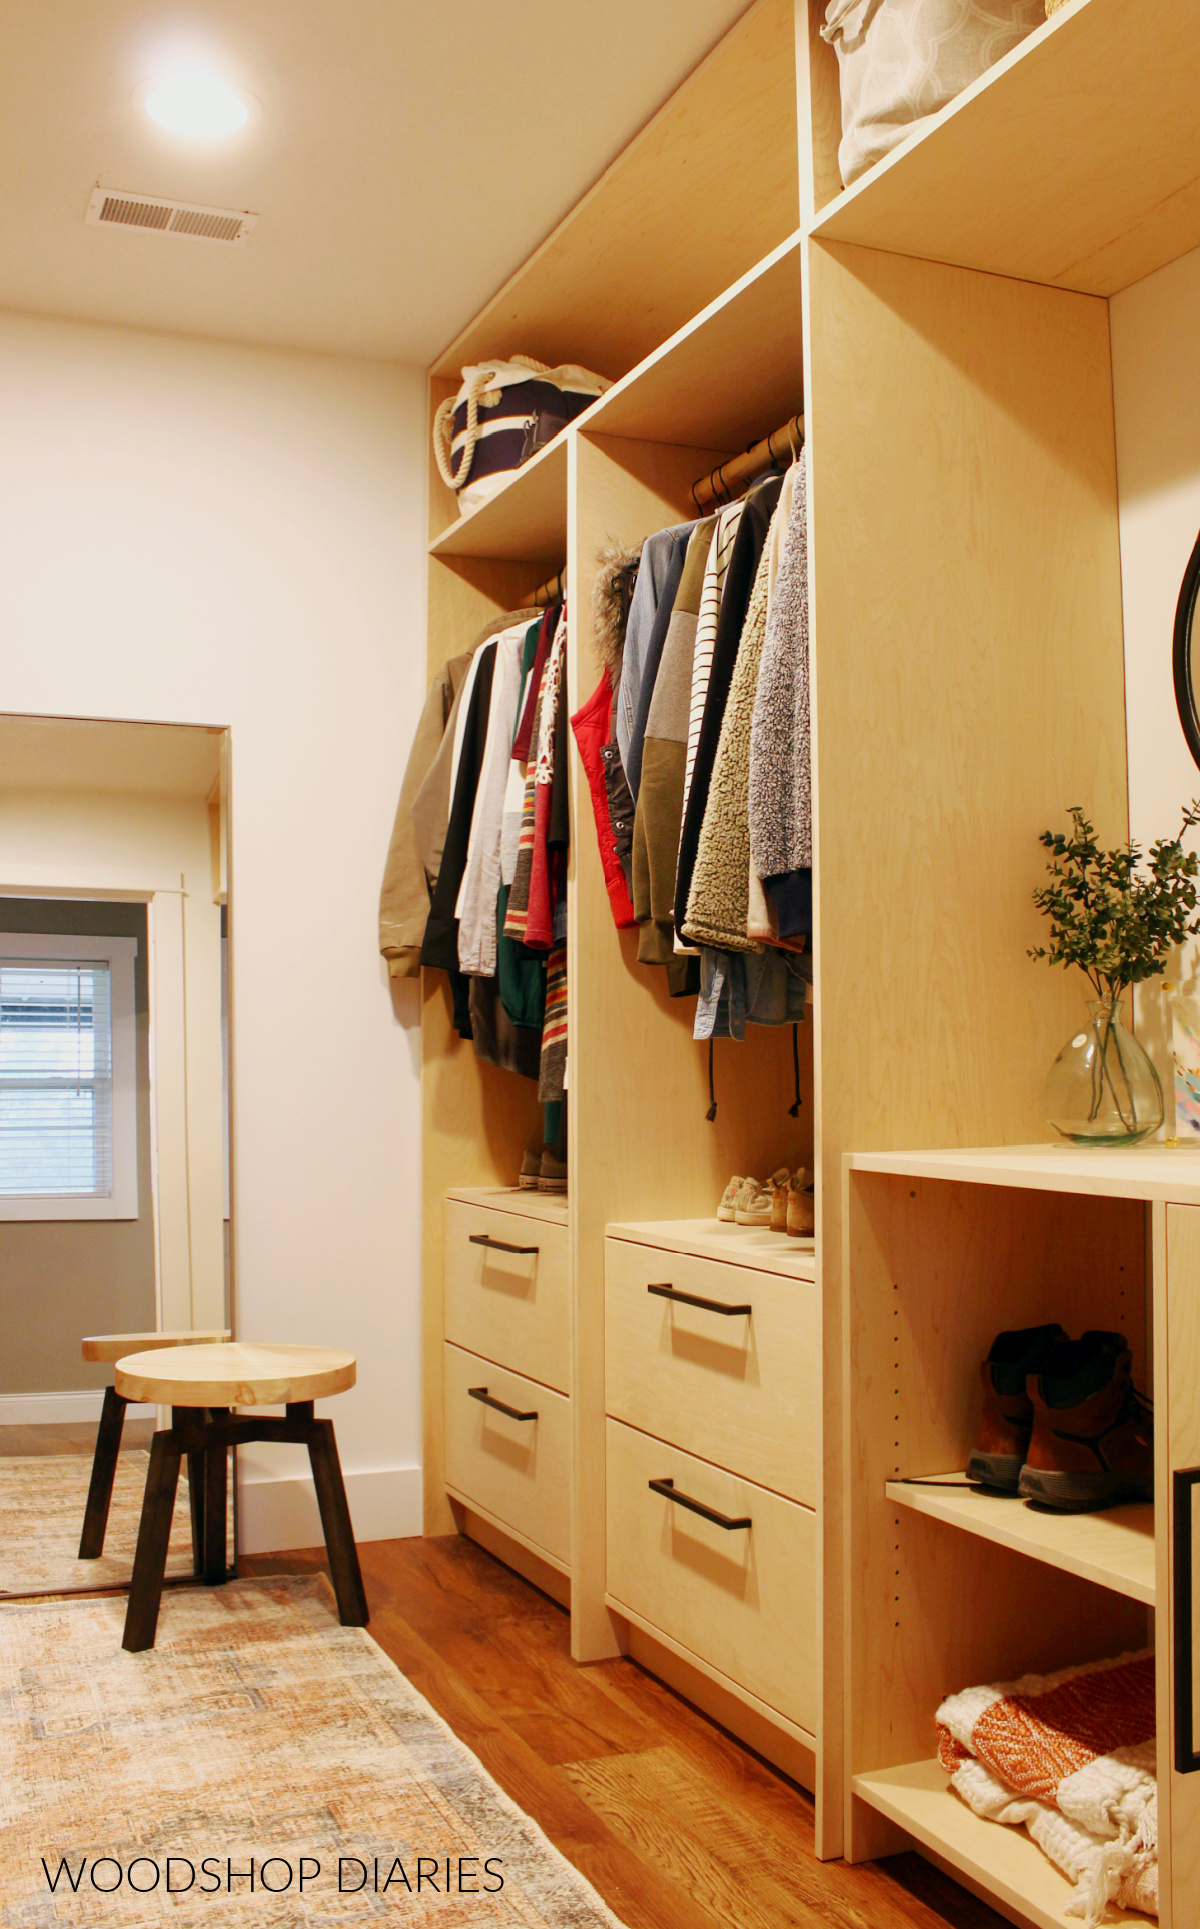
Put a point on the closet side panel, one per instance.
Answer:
(640, 1144)
(967, 689)
(476, 1119)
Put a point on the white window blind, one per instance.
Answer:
(56, 1079)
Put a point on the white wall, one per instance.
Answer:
(1156, 392)
(197, 533)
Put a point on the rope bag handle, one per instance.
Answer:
(479, 389)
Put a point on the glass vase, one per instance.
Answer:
(1102, 1089)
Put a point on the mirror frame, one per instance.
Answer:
(1184, 650)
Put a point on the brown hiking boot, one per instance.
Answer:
(1007, 1409)
(1093, 1433)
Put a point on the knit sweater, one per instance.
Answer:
(718, 901)
(780, 768)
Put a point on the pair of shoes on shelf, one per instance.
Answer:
(1063, 1423)
(784, 1203)
(544, 1168)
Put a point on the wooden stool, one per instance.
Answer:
(108, 1348)
(201, 1384)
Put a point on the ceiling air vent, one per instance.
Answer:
(178, 220)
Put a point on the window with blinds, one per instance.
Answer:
(56, 1079)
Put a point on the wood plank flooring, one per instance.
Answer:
(673, 1821)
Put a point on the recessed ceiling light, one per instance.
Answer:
(186, 100)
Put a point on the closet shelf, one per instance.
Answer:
(730, 375)
(550, 1206)
(1071, 161)
(1135, 1172)
(756, 1246)
(1114, 1548)
(999, 1863)
(525, 521)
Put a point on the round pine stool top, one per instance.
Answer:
(107, 1347)
(235, 1375)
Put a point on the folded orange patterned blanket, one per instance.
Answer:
(1071, 1756)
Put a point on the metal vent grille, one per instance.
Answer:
(178, 220)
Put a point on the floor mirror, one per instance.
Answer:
(114, 1111)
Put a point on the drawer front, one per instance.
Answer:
(742, 1599)
(517, 1470)
(514, 1307)
(739, 1389)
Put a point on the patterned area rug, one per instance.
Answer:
(258, 1735)
(41, 1517)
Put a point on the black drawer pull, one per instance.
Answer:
(481, 1393)
(666, 1291)
(1184, 1482)
(497, 1245)
(667, 1489)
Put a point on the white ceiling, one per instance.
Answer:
(407, 158)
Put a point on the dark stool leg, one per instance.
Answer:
(335, 1524)
(216, 1480)
(104, 1468)
(196, 1504)
(150, 1561)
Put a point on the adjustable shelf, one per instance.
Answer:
(756, 1246)
(1071, 162)
(1001, 1864)
(525, 521)
(1114, 1548)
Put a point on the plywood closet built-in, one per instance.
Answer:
(966, 674)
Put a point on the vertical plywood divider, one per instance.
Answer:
(476, 1119)
(640, 1146)
(967, 689)
(820, 111)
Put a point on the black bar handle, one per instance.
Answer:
(1187, 1761)
(667, 1291)
(498, 1245)
(667, 1489)
(481, 1393)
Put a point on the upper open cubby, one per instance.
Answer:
(1070, 162)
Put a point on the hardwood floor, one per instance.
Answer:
(673, 1821)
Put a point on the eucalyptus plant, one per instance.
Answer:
(1116, 914)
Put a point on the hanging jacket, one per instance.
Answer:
(748, 546)
(658, 552)
(780, 789)
(652, 653)
(475, 907)
(718, 901)
(547, 876)
(440, 946)
(404, 895)
(659, 815)
(592, 729)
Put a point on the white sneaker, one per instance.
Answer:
(753, 1205)
(729, 1198)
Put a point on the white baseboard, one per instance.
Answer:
(275, 1514)
(57, 1409)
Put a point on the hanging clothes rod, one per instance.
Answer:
(726, 482)
(552, 591)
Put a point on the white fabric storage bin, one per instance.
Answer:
(901, 61)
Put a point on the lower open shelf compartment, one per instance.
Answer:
(999, 1863)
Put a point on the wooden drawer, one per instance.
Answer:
(744, 1600)
(513, 1307)
(740, 1390)
(519, 1471)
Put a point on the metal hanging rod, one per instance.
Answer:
(554, 590)
(726, 482)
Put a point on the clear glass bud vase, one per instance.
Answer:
(1102, 1088)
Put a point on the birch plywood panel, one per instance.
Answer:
(706, 189)
(1180, 1347)
(640, 1144)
